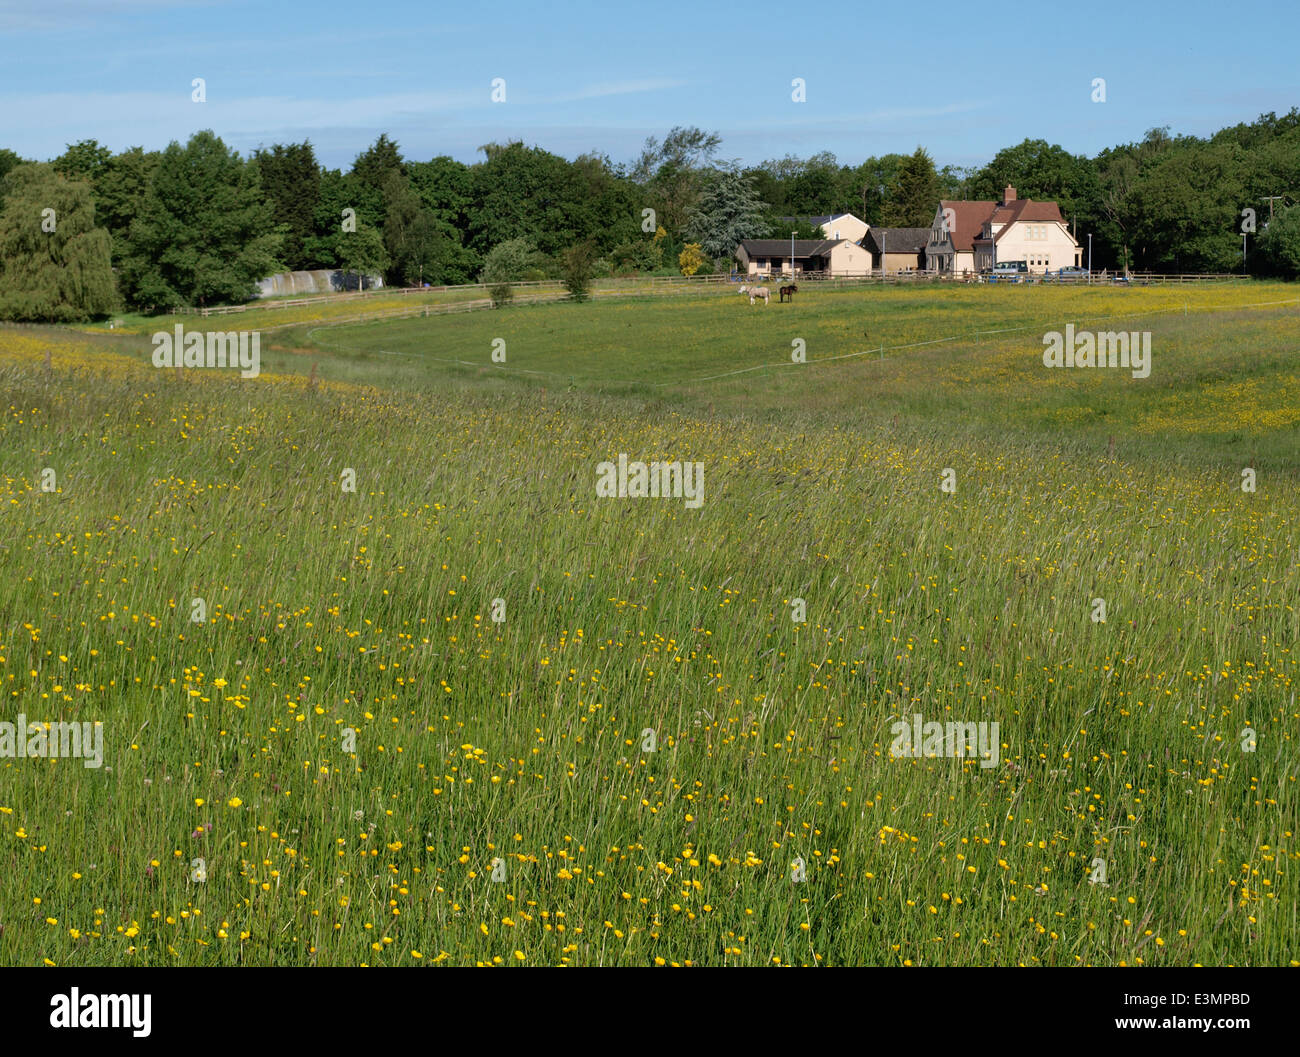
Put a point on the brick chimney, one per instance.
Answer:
(1008, 195)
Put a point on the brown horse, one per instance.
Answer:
(789, 291)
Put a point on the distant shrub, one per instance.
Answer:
(576, 266)
(692, 260)
(1280, 244)
(638, 255)
(509, 262)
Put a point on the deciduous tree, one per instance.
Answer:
(204, 233)
(55, 264)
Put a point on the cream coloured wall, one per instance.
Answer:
(849, 259)
(848, 227)
(1047, 246)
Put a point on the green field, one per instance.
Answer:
(1122, 821)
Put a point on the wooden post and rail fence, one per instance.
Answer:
(651, 285)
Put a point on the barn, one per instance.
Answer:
(812, 258)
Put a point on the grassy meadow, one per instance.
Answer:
(412, 726)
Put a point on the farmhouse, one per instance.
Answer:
(969, 236)
(897, 249)
(764, 258)
(836, 226)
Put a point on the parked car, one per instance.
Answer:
(1072, 273)
(1010, 272)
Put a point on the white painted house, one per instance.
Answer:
(969, 236)
(836, 226)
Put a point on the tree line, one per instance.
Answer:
(92, 230)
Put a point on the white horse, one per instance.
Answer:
(757, 292)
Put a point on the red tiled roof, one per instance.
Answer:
(967, 221)
(1026, 210)
(969, 218)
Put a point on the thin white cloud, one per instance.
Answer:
(610, 88)
(882, 116)
(18, 16)
(40, 123)
(149, 116)
(249, 48)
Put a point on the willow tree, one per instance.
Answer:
(55, 264)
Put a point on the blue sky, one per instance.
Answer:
(963, 80)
